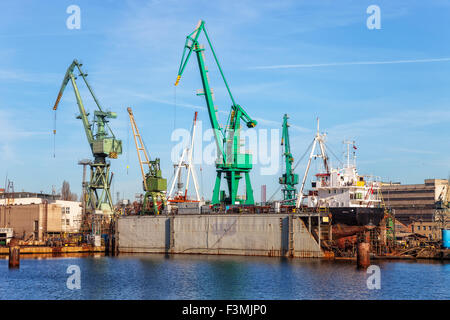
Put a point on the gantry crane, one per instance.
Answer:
(102, 142)
(230, 161)
(154, 184)
(289, 179)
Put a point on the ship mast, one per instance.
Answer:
(348, 143)
(318, 139)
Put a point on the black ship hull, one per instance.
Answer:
(356, 216)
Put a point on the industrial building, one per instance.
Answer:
(38, 215)
(429, 229)
(415, 202)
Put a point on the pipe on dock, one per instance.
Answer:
(363, 255)
(14, 257)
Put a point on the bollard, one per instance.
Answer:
(14, 257)
(363, 255)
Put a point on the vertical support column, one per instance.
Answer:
(363, 255)
(216, 192)
(330, 230)
(319, 228)
(249, 190)
(14, 257)
(291, 235)
(172, 234)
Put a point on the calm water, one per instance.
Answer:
(219, 277)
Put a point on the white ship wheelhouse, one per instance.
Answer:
(344, 187)
(338, 187)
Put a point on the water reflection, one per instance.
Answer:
(159, 276)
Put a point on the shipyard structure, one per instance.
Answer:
(336, 212)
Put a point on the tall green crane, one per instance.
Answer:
(289, 179)
(230, 161)
(101, 140)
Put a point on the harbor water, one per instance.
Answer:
(158, 276)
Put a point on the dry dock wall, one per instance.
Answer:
(263, 235)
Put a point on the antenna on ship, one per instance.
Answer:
(348, 143)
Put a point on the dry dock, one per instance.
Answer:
(241, 234)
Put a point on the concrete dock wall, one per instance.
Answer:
(263, 235)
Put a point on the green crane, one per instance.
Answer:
(102, 142)
(154, 184)
(230, 162)
(289, 179)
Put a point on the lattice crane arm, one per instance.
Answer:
(140, 147)
(83, 115)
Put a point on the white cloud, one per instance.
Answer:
(336, 64)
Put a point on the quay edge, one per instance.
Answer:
(279, 235)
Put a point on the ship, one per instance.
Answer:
(352, 199)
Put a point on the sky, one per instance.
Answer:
(387, 89)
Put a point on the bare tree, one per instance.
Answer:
(66, 194)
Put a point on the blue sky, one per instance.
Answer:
(305, 58)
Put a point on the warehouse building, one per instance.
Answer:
(39, 215)
(414, 202)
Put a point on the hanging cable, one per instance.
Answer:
(54, 136)
(174, 107)
(295, 167)
(306, 152)
(128, 148)
(329, 149)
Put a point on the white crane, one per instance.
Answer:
(185, 162)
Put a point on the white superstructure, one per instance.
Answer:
(344, 187)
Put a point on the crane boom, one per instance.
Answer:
(83, 115)
(230, 161)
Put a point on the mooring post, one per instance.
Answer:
(363, 255)
(14, 257)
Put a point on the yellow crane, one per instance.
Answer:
(154, 184)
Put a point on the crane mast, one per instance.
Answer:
(186, 162)
(289, 179)
(319, 139)
(230, 162)
(101, 140)
(153, 183)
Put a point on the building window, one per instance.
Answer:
(418, 227)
